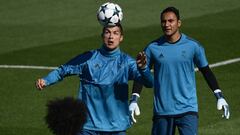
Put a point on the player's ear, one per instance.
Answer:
(121, 38)
(179, 23)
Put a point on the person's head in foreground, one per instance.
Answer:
(66, 116)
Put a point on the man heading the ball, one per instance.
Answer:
(104, 75)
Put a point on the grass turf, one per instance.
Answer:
(40, 33)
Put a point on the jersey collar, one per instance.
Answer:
(108, 53)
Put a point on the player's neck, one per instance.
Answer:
(173, 38)
(107, 52)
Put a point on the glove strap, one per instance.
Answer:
(218, 93)
(134, 97)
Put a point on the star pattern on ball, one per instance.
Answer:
(109, 14)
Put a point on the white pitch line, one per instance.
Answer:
(226, 62)
(27, 67)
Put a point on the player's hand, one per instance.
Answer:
(133, 107)
(141, 60)
(40, 84)
(134, 110)
(223, 105)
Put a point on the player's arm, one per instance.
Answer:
(72, 67)
(147, 78)
(57, 75)
(54, 76)
(213, 84)
(141, 61)
(133, 107)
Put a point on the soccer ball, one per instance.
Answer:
(109, 14)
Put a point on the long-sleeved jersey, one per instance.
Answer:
(174, 76)
(103, 87)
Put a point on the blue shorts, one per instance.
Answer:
(91, 132)
(187, 125)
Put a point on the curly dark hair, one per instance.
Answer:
(66, 116)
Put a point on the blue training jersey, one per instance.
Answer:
(103, 87)
(174, 75)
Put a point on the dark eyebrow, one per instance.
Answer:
(106, 30)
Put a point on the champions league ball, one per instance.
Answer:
(109, 14)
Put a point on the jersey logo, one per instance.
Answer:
(184, 54)
(161, 56)
(97, 66)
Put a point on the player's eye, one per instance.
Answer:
(106, 32)
(171, 20)
(116, 32)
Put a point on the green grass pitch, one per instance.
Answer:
(48, 33)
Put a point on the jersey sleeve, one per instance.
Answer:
(73, 67)
(142, 76)
(61, 72)
(200, 59)
(149, 56)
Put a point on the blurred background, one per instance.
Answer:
(49, 33)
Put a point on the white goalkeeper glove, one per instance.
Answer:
(133, 107)
(222, 104)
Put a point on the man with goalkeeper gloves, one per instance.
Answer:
(173, 57)
(104, 75)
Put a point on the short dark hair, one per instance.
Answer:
(108, 26)
(171, 9)
(66, 116)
